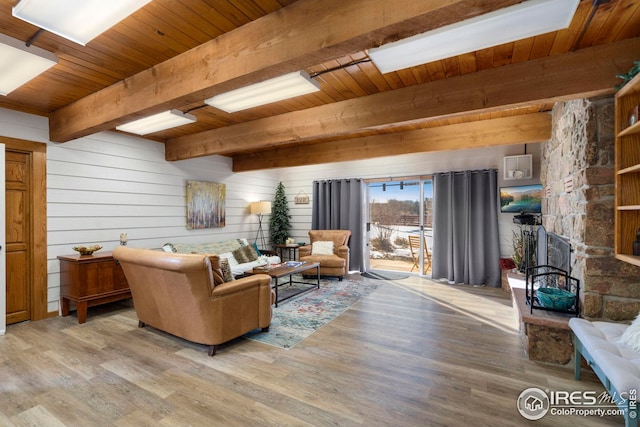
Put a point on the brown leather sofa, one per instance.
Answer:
(182, 294)
(330, 265)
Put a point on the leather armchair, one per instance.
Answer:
(330, 265)
(177, 293)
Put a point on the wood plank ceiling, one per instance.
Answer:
(175, 54)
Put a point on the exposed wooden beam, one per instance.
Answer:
(585, 73)
(486, 133)
(303, 34)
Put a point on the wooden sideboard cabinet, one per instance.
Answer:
(90, 280)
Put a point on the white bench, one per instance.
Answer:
(616, 365)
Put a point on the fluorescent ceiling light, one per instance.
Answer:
(526, 19)
(158, 122)
(77, 20)
(272, 90)
(19, 63)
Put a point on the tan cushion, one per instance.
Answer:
(245, 254)
(332, 261)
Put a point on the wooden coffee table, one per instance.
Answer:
(283, 271)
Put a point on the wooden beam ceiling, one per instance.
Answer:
(359, 113)
(520, 129)
(306, 33)
(585, 73)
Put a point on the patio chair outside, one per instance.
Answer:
(414, 246)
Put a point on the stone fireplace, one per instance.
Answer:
(577, 173)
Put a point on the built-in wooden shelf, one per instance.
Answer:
(627, 167)
(630, 169)
(628, 208)
(635, 260)
(631, 130)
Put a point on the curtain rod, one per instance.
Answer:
(337, 179)
(471, 171)
(400, 184)
(399, 178)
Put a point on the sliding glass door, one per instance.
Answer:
(399, 225)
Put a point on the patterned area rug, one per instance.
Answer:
(384, 275)
(295, 319)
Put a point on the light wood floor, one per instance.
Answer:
(395, 265)
(413, 353)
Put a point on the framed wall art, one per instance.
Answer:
(205, 204)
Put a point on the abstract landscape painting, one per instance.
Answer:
(205, 204)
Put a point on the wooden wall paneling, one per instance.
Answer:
(146, 26)
(632, 24)
(188, 16)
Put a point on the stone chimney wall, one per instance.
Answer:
(577, 173)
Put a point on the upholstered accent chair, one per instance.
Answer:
(333, 261)
(184, 295)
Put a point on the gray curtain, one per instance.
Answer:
(466, 247)
(337, 205)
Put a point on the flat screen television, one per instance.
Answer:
(521, 198)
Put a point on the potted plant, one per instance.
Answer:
(280, 218)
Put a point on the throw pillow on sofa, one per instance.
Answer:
(218, 277)
(226, 270)
(230, 259)
(245, 254)
(322, 248)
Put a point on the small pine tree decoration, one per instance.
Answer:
(280, 218)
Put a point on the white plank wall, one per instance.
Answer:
(301, 178)
(111, 183)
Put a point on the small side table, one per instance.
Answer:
(292, 251)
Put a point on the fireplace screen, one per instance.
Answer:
(553, 250)
(549, 285)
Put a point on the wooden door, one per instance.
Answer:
(18, 236)
(3, 265)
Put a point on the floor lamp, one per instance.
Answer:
(260, 208)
